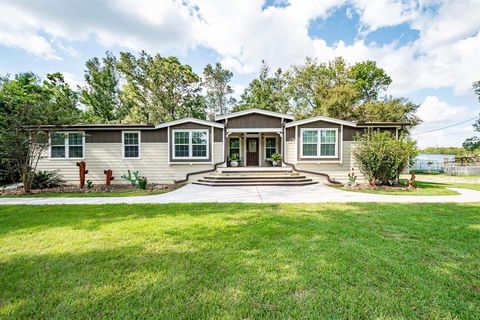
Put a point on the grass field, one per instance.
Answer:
(334, 261)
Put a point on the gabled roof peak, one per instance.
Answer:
(254, 110)
(185, 120)
(321, 118)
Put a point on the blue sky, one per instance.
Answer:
(429, 47)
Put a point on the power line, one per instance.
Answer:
(449, 126)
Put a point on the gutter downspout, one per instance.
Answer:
(291, 165)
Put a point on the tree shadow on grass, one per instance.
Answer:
(259, 261)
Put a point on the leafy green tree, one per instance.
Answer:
(473, 143)
(369, 80)
(25, 105)
(160, 88)
(338, 90)
(388, 110)
(381, 157)
(265, 92)
(218, 92)
(322, 89)
(476, 89)
(63, 100)
(102, 94)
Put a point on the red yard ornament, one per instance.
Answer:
(82, 172)
(108, 177)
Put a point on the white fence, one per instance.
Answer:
(457, 170)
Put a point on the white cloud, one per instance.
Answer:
(383, 13)
(243, 34)
(19, 30)
(164, 26)
(238, 90)
(72, 80)
(433, 110)
(437, 114)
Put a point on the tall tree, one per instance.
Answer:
(323, 89)
(339, 90)
(160, 88)
(63, 100)
(388, 109)
(476, 89)
(473, 143)
(25, 105)
(265, 92)
(218, 95)
(369, 80)
(102, 94)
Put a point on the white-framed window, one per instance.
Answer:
(131, 144)
(190, 144)
(270, 146)
(67, 145)
(319, 143)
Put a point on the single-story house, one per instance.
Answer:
(187, 148)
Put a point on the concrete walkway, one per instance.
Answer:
(197, 193)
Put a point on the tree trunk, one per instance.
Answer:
(27, 181)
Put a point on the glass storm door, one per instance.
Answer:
(252, 151)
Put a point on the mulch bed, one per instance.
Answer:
(100, 188)
(367, 186)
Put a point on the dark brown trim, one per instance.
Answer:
(101, 126)
(253, 121)
(152, 136)
(103, 136)
(217, 135)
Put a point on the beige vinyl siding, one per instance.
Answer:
(339, 171)
(290, 151)
(153, 163)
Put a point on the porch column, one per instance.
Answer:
(281, 146)
(244, 149)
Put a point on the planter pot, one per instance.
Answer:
(276, 163)
(234, 163)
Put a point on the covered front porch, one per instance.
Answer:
(254, 146)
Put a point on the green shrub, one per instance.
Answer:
(47, 179)
(234, 157)
(89, 184)
(381, 157)
(142, 183)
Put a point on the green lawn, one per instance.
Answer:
(191, 261)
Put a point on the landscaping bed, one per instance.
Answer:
(420, 189)
(115, 190)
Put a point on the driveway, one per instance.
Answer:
(266, 194)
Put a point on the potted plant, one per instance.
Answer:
(234, 159)
(276, 159)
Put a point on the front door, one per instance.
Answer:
(252, 151)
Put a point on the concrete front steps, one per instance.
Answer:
(255, 177)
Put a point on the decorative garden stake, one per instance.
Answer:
(82, 171)
(109, 177)
(411, 181)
